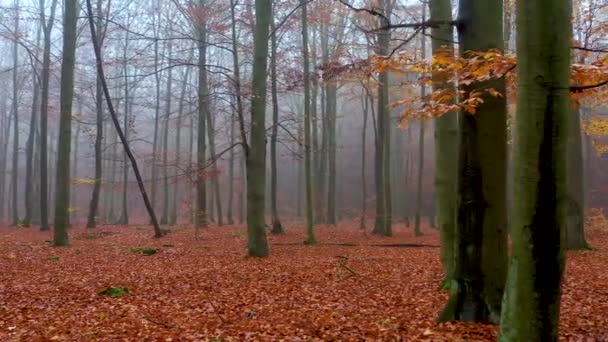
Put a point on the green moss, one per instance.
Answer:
(115, 292)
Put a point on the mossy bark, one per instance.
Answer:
(480, 253)
(532, 297)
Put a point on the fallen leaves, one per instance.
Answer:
(351, 287)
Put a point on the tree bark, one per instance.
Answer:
(575, 227)
(532, 297)
(99, 135)
(446, 141)
(310, 233)
(257, 245)
(201, 184)
(480, 239)
(277, 227)
(62, 191)
(15, 111)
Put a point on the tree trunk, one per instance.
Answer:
(5, 121)
(532, 298)
(383, 224)
(178, 145)
(99, 136)
(156, 120)
(257, 245)
(480, 239)
(201, 185)
(365, 110)
(332, 102)
(164, 219)
(74, 199)
(277, 227)
(419, 190)
(310, 233)
(62, 191)
(124, 213)
(446, 141)
(29, 146)
(215, 171)
(15, 110)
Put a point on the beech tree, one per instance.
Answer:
(532, 296)
(64, 142)
(257, 245)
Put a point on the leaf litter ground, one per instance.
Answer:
(200, 286)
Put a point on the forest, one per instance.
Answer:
(291, 170)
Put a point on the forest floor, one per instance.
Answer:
(202, 287)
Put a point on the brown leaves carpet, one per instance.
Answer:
(201, 287)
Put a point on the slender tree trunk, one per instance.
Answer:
(99, 135)
(230, 209)
(201, 184)
(178, 145)
(5, 124)
(532, 297)
(332, 101)
(257, 245)
(446, 141)
(124, 213)
(164, 219)
(74, 199)
(480, 239)
(365, 106)
(156, 123)
(277, 227)
(44, 101)
(215, 171)
(29, 146)
(419, 190)
(15, 110)
(62, 192)
(310, 233)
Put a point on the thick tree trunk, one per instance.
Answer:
(532, 298)
(62, 192)
(446, 142)
(257, 245)
(383, 224)
(481, 238)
